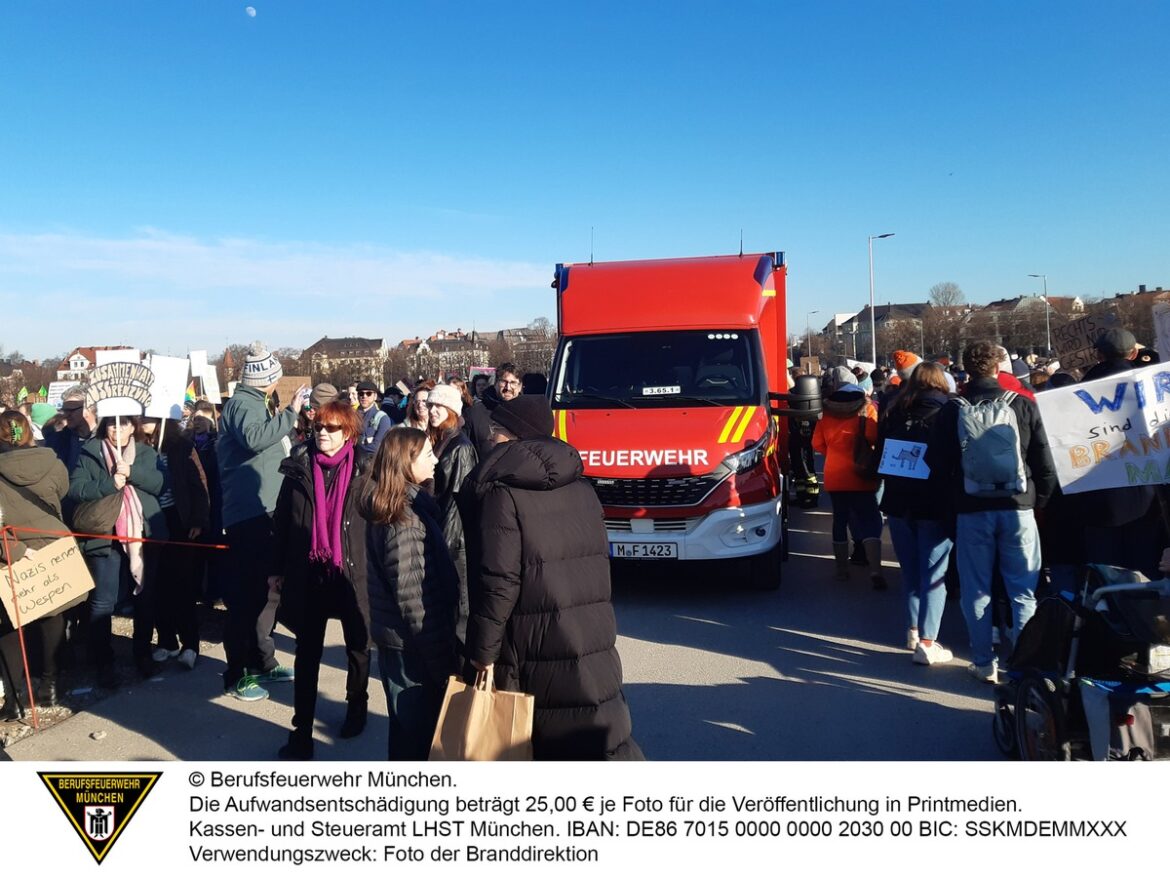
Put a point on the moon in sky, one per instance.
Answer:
(251, 10)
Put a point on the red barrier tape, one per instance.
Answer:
(114, 538)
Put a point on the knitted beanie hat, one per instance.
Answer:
(525, 417)
(904, 362)
(261, 369)
(448, 395)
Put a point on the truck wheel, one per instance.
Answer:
(765, 569)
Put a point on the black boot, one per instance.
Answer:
(858, 558)
(47, 692)
(11, 711)
(355, 720)
(299, 746)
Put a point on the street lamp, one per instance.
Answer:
(1047, 314)
(807, 331)
(872, 322)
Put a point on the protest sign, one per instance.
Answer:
(906, 459)
(53, 577)
(1162, 330)
(853, 364)
(810, 365)
(1110, 433)
(169, 387)
(119, 384)
(287, 386)
(57, 390)
(208, 380)
(1074, 340)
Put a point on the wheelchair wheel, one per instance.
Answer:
(1040, 722)
(1003, 729)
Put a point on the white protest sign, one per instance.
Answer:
(169, 388)
(1162, 330)
(906, 459)
(46, 582)
(57, 390)
(853, 364)
(119, 385)
(1074, 340)
(198, 362)
(205, 372)
(1110, 433)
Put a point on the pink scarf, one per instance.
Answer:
(130, 520)
(329, 506)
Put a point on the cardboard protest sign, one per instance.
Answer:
(287, 386)
(46, 582)
(1162, 330)
(57, 390)
(906, 459)
(169, 387)
(1074, 340)
(1110, 433)
(810, 365)
(119, 384)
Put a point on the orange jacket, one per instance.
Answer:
(835, 438)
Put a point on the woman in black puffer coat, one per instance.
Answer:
(540, 588)
(319, 567)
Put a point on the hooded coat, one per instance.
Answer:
(33, 482)
(540, 597)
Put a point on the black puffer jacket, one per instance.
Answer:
(414, 589)
(457, 458)
(540, 597)
(918, 499)
(477, 421)
(292, 526)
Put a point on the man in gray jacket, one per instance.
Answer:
(250, 449)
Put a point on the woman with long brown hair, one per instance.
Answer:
(917, 510)
(417, 411)
(457, 458)
(319, 566)
(413, 589)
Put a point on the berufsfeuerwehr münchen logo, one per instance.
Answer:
(99, 805)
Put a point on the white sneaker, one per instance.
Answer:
(935, 654)
(987, 673)
(162, 654)
(912, 639)
(187, 659)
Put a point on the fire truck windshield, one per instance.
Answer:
(668, 369)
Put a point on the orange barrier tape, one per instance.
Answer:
(111, 537)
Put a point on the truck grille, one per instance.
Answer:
(683, 491)
(661, 525)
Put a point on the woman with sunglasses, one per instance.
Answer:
(457, 458)
(116, 461)
(319, 567)
(414, 591)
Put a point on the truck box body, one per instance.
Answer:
(661, 381)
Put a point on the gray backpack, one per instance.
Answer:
(989, 442)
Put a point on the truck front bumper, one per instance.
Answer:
(736, 532)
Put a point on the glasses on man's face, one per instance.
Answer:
(331, 428)
(504, 383)
(72, 409)
(366, 393)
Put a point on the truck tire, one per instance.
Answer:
(765, 569)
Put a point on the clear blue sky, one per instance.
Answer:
(181, 174)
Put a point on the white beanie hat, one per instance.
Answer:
(261, 369)
(448, 395)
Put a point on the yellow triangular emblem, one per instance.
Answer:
(99, 805)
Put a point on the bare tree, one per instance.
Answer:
(946, 294)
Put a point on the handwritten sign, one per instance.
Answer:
(45, 583)
(286, 388)
(1110, 433)
(906, 459)
(1074, 340)
(810, 365)
(1162, 330)
(119, 384)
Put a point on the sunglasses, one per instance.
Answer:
(366, 393)
(332, 428)
(71, 409)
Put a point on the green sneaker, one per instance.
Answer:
(247, 689)
(279, 674)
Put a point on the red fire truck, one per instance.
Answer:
(667, 379)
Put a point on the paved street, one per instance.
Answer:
(713, 670)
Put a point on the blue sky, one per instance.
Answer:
(181, 174)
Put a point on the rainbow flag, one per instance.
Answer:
(190, 395)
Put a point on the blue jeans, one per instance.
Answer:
(412, 702)
(1009, 535)
(859, 511)
(923, 550)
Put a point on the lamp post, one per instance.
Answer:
(807, 331)
(872, 321)
(1047, 314)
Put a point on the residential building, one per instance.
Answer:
(80, 361)
(358, 356)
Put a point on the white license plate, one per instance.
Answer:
(652, 551)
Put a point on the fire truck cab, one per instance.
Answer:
(661, 381)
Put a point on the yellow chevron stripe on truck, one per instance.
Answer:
(743, 425)
(727, 428)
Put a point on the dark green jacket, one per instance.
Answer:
(90, 480)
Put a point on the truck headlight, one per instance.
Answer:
(752, 456)
(1158, 659)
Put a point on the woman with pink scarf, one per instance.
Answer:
(319, 566)
(113, 462)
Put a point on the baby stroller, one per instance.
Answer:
(1089, 677)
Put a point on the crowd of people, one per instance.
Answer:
(443, 524)
(987, 518)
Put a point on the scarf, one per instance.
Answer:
(130, 521)
(329, 505)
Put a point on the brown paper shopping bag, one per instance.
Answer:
(478, 723)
